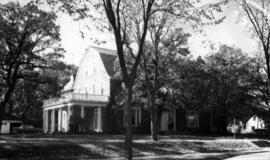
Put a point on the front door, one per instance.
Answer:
(164, 125)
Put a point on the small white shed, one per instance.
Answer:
(8, 123)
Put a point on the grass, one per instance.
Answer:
(112, 146)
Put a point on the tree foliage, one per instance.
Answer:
(257, 13)
(26, 101)
(28, 43)
(224, 83)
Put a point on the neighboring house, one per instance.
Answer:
(87, 103)
(254, 124)
(8, 123)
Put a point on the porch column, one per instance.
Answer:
(99, 120)
(44, 121)
(53, 121)
(47, 121)
(60, 119)
(82, 112)
(68, 116)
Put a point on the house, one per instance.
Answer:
(254, 123)
(88, 103)
(86, 96)
(8, 123)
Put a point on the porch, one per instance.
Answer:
(67, 117)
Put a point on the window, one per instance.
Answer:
(102, 91)
(135, 117)
(192, 119)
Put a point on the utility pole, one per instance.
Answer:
(234, 127)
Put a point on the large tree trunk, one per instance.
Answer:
(154, 123)
(128, 125)
(153, 114)
(7, 96)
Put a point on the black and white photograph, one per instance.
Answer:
(134, 80)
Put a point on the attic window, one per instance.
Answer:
(102, 91)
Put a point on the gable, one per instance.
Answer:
(94, 72)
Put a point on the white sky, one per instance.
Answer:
(228, 32)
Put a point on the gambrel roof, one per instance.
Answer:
(108, 58)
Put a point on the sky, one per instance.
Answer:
(230, 32)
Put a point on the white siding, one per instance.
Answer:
(92, 77)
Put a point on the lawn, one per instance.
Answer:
(112, 147)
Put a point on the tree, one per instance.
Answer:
(163, 47)
(29, 38)
(257, 12)
(167, 43)
(223, 83)
(232, 84)
(191, 83)
(26, 102)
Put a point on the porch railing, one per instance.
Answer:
(75, 97)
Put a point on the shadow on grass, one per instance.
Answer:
(262, 143)
(46, 151)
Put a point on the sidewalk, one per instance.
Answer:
(264, 155)
(198, 156)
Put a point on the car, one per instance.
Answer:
(26, 128)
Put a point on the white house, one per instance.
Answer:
(85, 96)
(252, 124)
